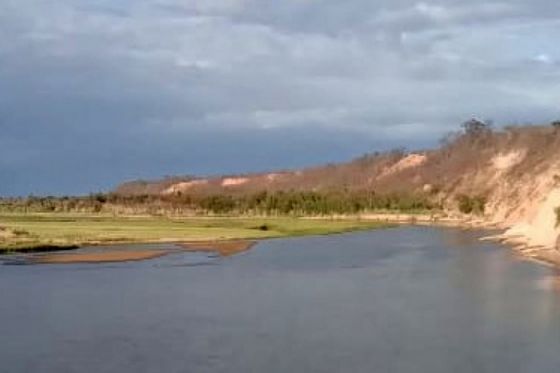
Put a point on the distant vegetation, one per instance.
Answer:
(557, 211)
(295, 203)
(314, 203)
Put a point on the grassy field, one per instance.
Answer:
(28, 231)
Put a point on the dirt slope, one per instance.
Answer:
(516, 170)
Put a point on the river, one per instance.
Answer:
(408, 299)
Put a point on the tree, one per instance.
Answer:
(471, 205)
(474, 127)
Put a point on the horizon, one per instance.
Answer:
(98, 94)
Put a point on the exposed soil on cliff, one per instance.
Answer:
(515, 171)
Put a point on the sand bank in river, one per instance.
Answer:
(99, 257)
(222, 248)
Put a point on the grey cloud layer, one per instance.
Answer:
(84, 84)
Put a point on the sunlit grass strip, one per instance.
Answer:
(51, 230)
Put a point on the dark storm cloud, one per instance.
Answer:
(93, 92)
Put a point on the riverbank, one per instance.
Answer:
(524, 244)
(539, 253)
(52, 232)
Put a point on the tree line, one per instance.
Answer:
(261, 203)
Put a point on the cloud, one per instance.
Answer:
(101, 91)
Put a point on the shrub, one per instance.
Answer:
(471, 205)
(20, 232)
(98, 197)
(557, 211)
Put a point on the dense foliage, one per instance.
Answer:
(262, 203)
(471, 205)
(313, 203)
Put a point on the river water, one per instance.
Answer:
(410, 299)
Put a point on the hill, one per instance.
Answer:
(509, 178)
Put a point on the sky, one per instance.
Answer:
(93, 93)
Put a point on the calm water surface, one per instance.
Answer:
(398, 300)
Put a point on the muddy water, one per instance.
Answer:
(400, 300)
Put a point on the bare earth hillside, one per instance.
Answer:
(514, 173)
